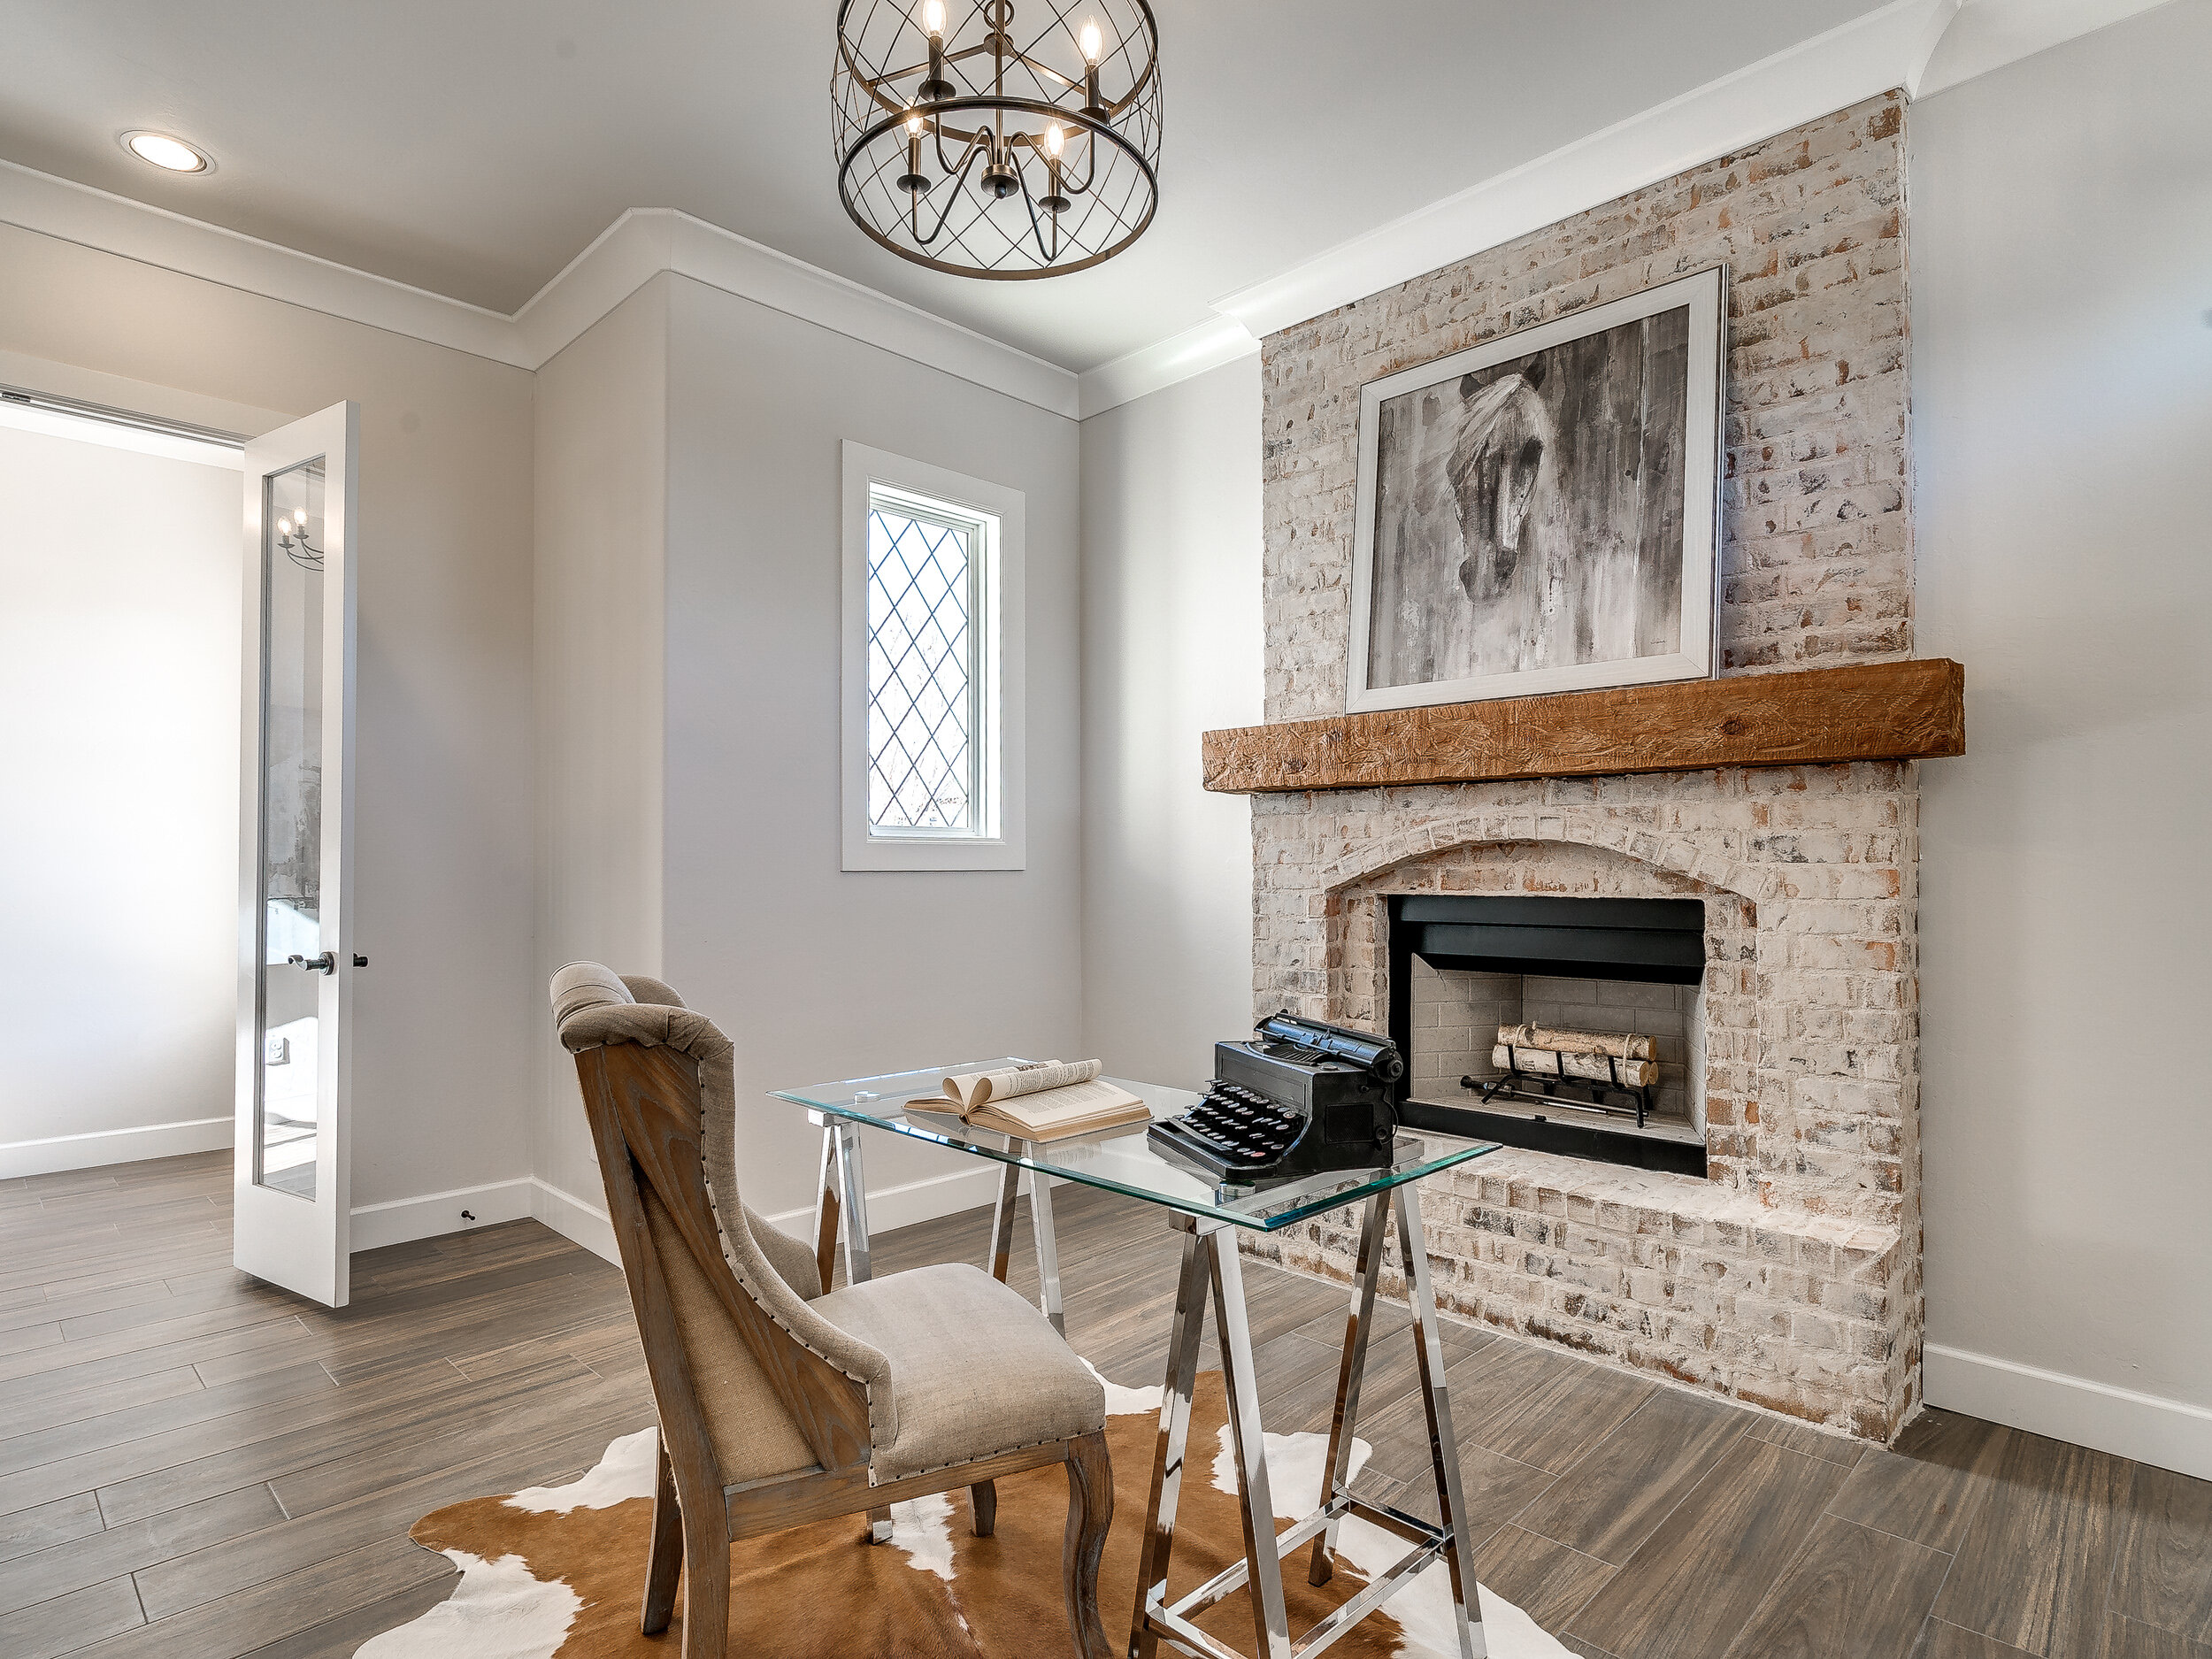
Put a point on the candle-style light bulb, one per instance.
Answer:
(1088, 39)
(934, 87)
(911, 181)
(1054, 200)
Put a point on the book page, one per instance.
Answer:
(1067, 1109)
(973, 1089)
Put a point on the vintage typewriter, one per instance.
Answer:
(1300, 1098)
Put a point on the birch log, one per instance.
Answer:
(1626, 1045)
(1546, 1062)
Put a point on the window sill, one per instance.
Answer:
(892, 852)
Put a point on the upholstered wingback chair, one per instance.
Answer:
(782, 1402)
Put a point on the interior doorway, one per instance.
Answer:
(119, 599)
(174, 863)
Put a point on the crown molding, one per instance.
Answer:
(1923, 46)
(736, 265)
(621, 260)
(1989, 34)
(637, 247)
(1151, 368)
(155, 236)
(1885, 48)
(647, 241)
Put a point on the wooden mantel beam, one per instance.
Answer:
(1816, 717)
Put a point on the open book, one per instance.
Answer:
(1037, 1100)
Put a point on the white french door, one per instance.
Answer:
(296, 956)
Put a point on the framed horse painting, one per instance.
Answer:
(1541, 512)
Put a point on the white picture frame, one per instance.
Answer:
(1545, 597)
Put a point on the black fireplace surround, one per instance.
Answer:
(1648, 940)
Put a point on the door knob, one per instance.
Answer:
(324, 963)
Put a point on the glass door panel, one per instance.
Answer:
(292, 960)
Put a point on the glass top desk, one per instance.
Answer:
(1210, 1216)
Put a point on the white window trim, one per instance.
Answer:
(1001, 627)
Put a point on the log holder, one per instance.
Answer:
(1616, 1098)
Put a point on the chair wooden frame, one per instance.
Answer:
(643, 1104)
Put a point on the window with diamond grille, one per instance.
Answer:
(927, 694)
(930, 730)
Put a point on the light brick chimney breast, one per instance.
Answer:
(1790, 1278)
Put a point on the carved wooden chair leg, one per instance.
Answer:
(1090, 1512)
(664, 1556)
(983, 1507)
(706, 1587)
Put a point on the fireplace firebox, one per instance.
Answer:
(1465, 969)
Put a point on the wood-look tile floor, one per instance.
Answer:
(196, 1466)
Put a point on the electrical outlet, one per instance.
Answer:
(276, 1051)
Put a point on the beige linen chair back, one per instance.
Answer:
(727, 1297)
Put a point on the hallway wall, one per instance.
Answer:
(118, 672)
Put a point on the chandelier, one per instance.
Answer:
(974, 143)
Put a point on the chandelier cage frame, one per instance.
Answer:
(905, 98)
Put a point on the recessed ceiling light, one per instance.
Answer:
(164, 151)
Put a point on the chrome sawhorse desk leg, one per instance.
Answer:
(840, 1207)
(1040, 1226)
(1351, 1369)
(1209, 1254)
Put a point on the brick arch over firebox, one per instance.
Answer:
(1600, 827)
(1566, 865)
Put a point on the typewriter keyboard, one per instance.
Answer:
(1234, 1127)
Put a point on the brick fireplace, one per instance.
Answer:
(1789, 1275)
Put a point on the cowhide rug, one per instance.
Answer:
(558, 1571)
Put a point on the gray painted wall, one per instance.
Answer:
(119, 848)
(2063, 411)
(815, 972)
(1171, 647)
(602, 485)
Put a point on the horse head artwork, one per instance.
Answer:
(1479, 544)
(1497, 468)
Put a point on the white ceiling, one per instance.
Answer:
(474, 148)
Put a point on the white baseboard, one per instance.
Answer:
(574, 1219)
(888, 1207)
(2170, 1434)
(910, 1201)
(113, 1146)
(403, 1220)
